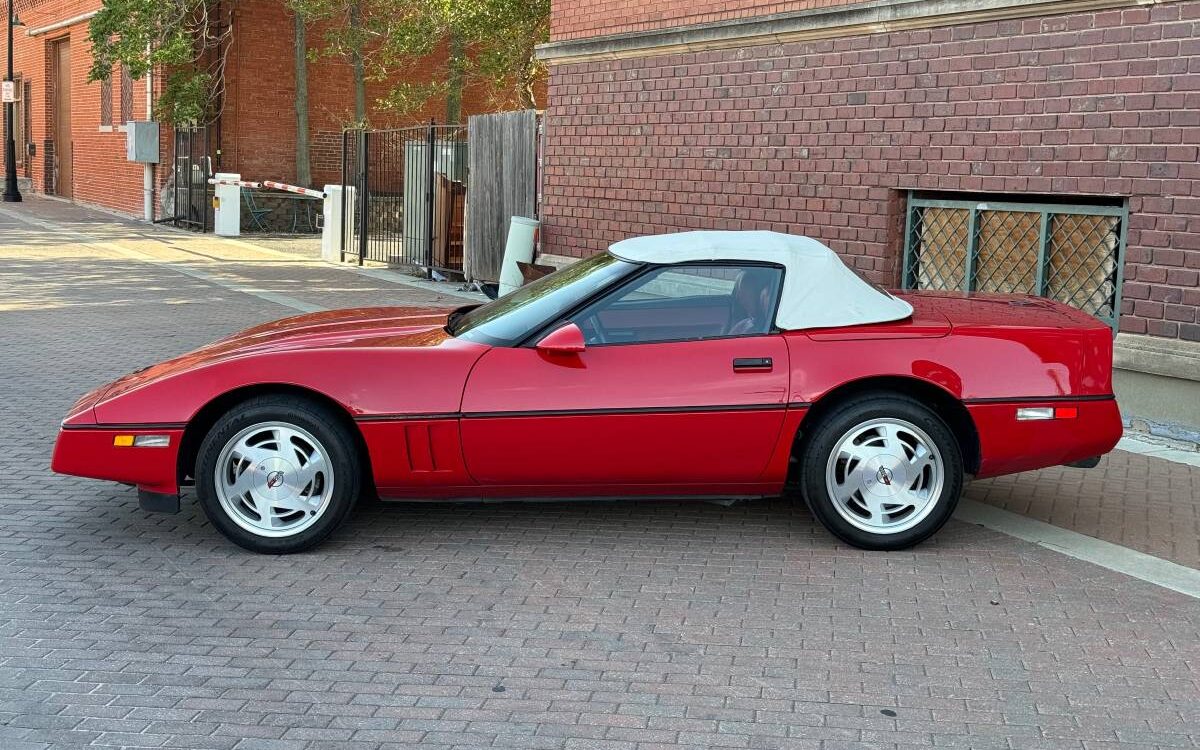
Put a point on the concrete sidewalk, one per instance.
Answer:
(291, 277)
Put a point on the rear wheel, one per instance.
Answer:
(278, 474)
(883, 472)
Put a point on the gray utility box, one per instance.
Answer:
(141, 141)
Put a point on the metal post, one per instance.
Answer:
(430, 140)
(206, 172)
(191, 198)
(148, 169)
(1043, 248)
(345, 182)
(972, 249)
(12, 194)
(364, 194)
(908, 247)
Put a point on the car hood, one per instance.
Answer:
(354, 326)
(395, 327)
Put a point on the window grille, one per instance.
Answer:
(1070, 252)
(126, 95)
(106, 110)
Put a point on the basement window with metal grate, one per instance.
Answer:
(1065, 250)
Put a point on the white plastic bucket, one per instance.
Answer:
(519, 247)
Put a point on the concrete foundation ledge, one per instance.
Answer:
(558, 261)
(1157, 382)
(1172, 358)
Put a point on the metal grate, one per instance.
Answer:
(106, 110)
(1067, 252)
(187, 196)
(126, 95)
(409, 193)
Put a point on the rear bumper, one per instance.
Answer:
(1008, 445)
(90, 452)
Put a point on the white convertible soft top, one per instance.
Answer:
(819, 291)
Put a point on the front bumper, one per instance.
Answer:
(91, 452)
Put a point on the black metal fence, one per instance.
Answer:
(188, 196)
(405, 196)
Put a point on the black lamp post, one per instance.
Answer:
(12, 194)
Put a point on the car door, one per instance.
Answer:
(663, 397)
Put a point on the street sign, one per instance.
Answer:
(8, 92)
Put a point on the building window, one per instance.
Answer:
(126, 95)
(106, 111)
(25, 126)
(18, 121)
(1068, 251)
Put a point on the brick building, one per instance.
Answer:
(257, 127)
(1045, 147)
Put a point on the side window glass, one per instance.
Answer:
(686, 303)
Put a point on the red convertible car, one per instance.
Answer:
(699, 364)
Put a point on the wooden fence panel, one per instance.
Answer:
(503, 183)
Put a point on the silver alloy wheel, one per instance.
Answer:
(885, 476)
(274, 479)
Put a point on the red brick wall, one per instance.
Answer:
(575, 19)
(259, 124)
(818, 138)
(258, 132)
(102, 176)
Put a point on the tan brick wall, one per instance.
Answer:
(822, 137)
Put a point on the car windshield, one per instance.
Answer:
(508, 320)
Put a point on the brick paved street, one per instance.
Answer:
(615, 626)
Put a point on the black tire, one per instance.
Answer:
(823, 438)
(319, 421)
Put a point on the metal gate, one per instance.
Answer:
(187, 198)
(1069, 252)
(405, 196)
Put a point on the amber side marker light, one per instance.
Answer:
(141, 441)
(1032, 413)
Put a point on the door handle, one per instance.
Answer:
(752, 364)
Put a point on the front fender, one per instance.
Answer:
(370, 381)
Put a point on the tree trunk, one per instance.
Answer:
(303, 164)
(525, 83)
(454, 83)
(356, 60)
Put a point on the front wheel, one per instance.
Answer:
(882, 473)
(278, 474)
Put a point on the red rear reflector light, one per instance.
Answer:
(1032, 413)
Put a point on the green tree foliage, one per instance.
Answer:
(184, 38)
(503, 35)
(486, 42)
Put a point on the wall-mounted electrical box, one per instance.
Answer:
(141, 141)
